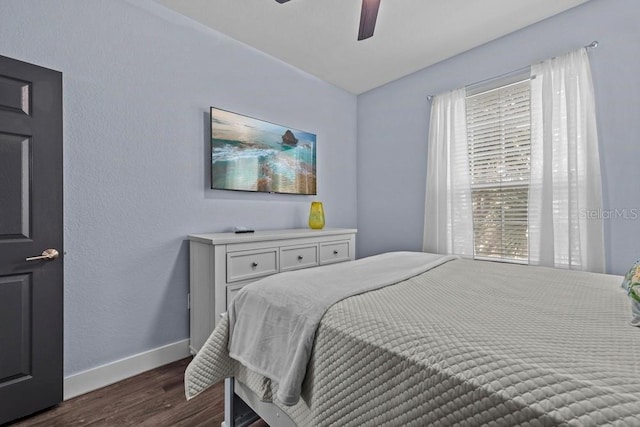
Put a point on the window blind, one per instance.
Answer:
(499, 143)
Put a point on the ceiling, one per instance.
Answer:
(319, 36)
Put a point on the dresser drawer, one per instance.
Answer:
(334, 252)
(251, 264)
(293, 257)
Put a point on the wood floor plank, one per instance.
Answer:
(154, 398)
(151, 399)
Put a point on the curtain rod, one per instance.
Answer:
(592, 45)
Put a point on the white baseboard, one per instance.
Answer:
(101, 376)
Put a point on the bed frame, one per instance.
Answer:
(243, 407)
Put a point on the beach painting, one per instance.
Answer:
(248, 154)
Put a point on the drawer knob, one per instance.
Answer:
(335, 252)
(300, 257)
(254, 264)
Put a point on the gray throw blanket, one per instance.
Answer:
(273, 322)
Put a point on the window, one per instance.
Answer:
(513, 166)
(499, 144)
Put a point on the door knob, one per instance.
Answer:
(48, 254)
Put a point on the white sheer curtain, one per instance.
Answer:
(448, 208)
(565, 194)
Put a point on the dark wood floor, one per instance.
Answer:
(154, 398)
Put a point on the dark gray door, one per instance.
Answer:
(30, 223)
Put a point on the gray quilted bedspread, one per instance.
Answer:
(273, 322)
(468, 343)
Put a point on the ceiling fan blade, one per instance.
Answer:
(368, 18)
(282, 1)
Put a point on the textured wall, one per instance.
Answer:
(138, 82)
(393, 123)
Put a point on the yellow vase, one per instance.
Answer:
(316, 216)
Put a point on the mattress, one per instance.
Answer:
(466, 343)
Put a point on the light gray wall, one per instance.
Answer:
(393, 123)
(138, 82)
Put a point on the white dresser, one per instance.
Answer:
(222, 263)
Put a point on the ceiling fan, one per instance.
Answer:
(368, 17)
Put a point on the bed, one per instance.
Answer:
(464, 343)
